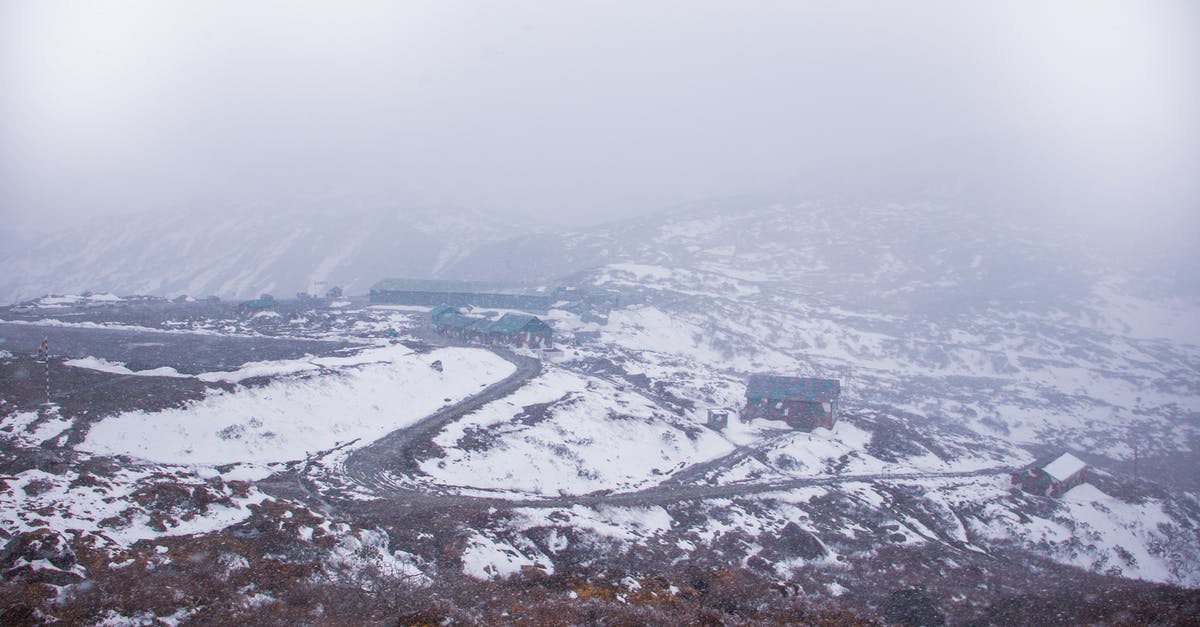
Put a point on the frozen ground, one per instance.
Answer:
(564, 433)
(319, 404)
(604, 457)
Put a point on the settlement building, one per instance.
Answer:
(520, 330)
(428, 293)
(802, 402)
(511, 328)
(1052, 478)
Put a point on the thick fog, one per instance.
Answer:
(1083, 112)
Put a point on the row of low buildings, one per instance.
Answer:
(589, 303)
(434, 292)
(514, 329)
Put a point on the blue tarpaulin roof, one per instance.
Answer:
(775, 388)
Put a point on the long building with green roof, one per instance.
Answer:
(433, 292)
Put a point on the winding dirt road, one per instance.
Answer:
(372, 466)
(383, 466)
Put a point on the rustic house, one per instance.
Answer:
(1052, 478)
(461, 327)
(801, 402)
(519, 330)
(511, 328)
(428, 293)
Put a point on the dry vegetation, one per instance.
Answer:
(259, 573)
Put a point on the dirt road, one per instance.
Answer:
(372, 466)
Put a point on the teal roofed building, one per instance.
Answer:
(436, 313)
(520, 330)
(801, 402)
(512, 328)
(433, 292)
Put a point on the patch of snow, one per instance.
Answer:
(109, 511)
(370, 547)
(286, 419)
(565, 433)
(103, 365)
(485, 558)
(16, 427)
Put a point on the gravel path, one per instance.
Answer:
(396, 453)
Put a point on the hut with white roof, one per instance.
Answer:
(1052, 478)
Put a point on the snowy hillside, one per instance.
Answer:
(966, 350)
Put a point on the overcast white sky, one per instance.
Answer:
(585, 110)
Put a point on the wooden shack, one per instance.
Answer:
(512, 328)
(1052, 478)
(519, 330)
(801, 402)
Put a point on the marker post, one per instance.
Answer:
(44, 352)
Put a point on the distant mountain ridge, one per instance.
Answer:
(894, 257)
(242, 256)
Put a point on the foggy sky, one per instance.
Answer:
(580, 111)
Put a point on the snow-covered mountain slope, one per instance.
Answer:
(243, 255)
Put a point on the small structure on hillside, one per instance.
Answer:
(718, 419)
(512, 328)
(1052, 478)
(801, 402)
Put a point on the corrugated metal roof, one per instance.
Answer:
(775, 388)
(441, 310)
(457, 321)
(511, 323)
(1064, 467)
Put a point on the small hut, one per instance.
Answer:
(718, 419)
(1052, 478)
(802, 402)
(519, 330)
